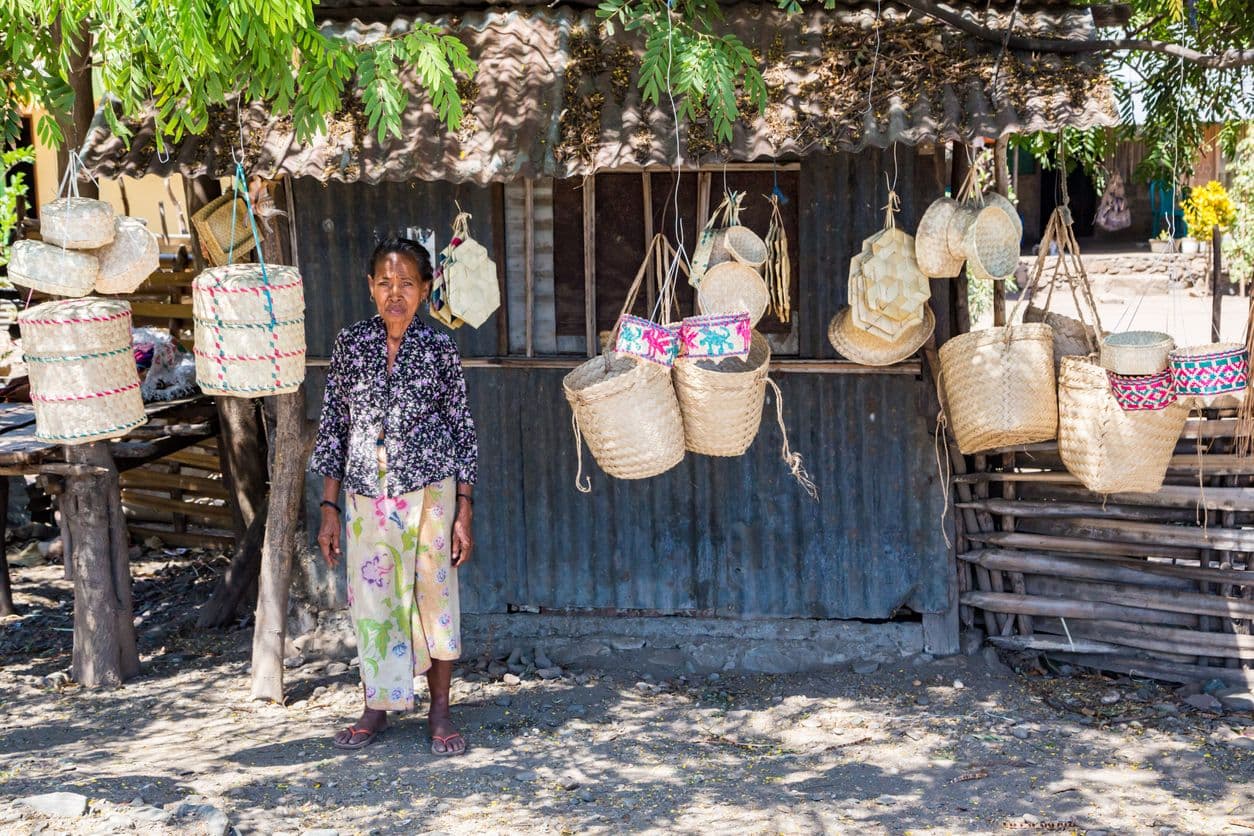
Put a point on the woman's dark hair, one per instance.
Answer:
(396, 245)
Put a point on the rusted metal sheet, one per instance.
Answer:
(931, 84)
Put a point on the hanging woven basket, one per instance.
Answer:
(250, 330)
(1137, 352)
(78, 223)
(931, 241)
(84, 384)
(1210, 375)
(732, 287)
(738, 243)
(991, 244)
(999, 386)
(133, 256)
(224, 229)
(58, 272)
(721, 400)
(1109, 449)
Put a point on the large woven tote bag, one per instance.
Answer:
(1106, 448)
(999, 386)
(625, 408)
(721, 400)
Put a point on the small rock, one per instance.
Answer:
(504, 701)
(512, 679)
(587, 796)
(1021, 732)
(293, 661)
(923, 659)
(865, 667)
(57, 803)
(1065, 670)
(212, 820)
(922, 700)
(321, 831)
(337, 669)
(1028, 818)
(1111, 697)
(713, 678)
(958, 686)
(524, 776)
(1204, 702)
(549, 673)
(1166, 708)
(1214, 685)
(56, 680)
(994, 663)
(1189, 690)
(515, 657)
(1236, 699)
(1241, 742)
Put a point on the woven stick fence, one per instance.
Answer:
(1158, 584)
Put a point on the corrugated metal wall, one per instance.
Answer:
(734, 537)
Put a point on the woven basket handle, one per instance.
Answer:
(1059, 230)
(659, 247)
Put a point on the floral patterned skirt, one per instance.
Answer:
(402, 589)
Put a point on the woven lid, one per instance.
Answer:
(130, 259)
(931, 243)
(53, 270)
(80, 223)
(733, 287)
(68, 311)
(246, 276)
(991, 244)
(870, 350)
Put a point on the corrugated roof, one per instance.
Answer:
(554, 97)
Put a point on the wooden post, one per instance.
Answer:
(286, 494)
(6, 591)
(1216, 295)
(1002, 172)
(529, 263)
(242, 457)
(590, 265)
(104, 632)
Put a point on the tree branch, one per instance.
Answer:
(1226, 60)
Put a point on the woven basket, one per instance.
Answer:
(738, 243)
(1137, 352)
(1108, 449)
(731, 287)
(1071, 336)
(1000, 201)
(52, 270)
(999, 386)
(219, 240)
(991, 244)
(1210, 375)
(628, 413)
(868, 349)
(931, 241)
(84, 384)
(250, 330)
(79, 223)
(133, 256)
(721, 400)
(1139, 392)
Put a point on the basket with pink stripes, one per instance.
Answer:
(83, 381)
(1135, 393)
(250, 330)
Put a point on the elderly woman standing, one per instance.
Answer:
(397, 435)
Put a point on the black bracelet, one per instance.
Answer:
(468, 498)
(326, 503)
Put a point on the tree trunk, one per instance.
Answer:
(286, 494)
(105, 653)
(6, 591)
(239, 576)
(242, 452)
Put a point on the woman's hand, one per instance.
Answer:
(463, 541)
(329, 536)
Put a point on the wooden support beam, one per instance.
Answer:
(154, 480)
(590, 265)
(218, 515)
(198, 539)
(529, 263)
(1079, 545)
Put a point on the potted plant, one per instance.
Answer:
(1163, 243)
(1207, 208)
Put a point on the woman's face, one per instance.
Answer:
(397, 288)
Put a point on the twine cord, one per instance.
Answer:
(793, 460)
(583, 483)
(945, 473)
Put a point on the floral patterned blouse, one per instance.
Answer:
(419, 410)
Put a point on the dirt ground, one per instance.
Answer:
(957, 745)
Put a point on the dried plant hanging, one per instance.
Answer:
(778, 268)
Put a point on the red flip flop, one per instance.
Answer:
(370, 737)
(448, 751)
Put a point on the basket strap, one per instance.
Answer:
(793, 460)
(655, 248)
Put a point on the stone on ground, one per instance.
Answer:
(57, 803)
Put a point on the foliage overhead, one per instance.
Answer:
(184, 57)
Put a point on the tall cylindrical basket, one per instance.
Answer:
(721, 399)
(84, 384)
(250, 330)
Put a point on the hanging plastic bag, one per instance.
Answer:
(1113, 213)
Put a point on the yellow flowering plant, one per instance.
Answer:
(1208, 207)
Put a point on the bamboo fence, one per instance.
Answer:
(1158, 585)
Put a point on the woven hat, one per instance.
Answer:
(732, 287)
(931, 242)
(218, 238)
(870, 350)
(79, 223)
(991, 243)
(53, 270)
(999, 201)
(132, 257)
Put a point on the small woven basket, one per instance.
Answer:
(721, 400)
(991, 243)
(133, 256)
(999, 386)
(1143, 392)
(1137, 352)
(1000, 201)
(732, 287)
(931, 241)
(628, 413)
(79, 223)
(250, 330)
(52, 270)
(1109, 449)
(219, 239)
(738, 243)
(84, 384)
(1210, 375)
